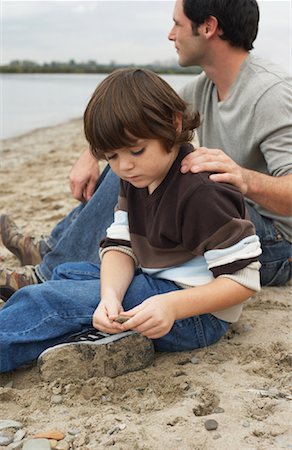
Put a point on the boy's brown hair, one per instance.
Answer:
(132, 104)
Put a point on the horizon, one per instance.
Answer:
(112, 31)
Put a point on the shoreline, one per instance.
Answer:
(242, 381)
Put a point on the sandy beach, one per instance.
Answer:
(243, 382)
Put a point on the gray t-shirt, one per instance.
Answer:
(253, 125)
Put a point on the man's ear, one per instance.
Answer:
(210, 27)
(177, 122)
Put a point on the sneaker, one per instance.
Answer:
(26, 248)
(13, 279)
(92, 353)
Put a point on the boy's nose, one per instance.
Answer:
(126, 163)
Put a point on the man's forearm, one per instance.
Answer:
(273, 193)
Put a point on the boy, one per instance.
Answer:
(181, 255)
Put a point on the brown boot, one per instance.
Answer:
(26, 248)
(13, 279)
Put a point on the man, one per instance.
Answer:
(246, 138)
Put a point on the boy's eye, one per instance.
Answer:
(138, 152)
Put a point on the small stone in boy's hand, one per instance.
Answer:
(121, 319)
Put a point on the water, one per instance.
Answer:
(31, 101)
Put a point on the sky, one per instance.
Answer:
(124, 31)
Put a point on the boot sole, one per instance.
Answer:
(110, 357)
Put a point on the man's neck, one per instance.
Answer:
(223, 68)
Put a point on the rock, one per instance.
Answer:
(37, 444)
(217, 436)
(53, 443)
(63, 445)
(211, 424)
(50, 434)
(219, 410)
(74, 432)
(6, 439)
(195, 360)
(19, 435)
(15, 446)
(56, 399)
(9, 424)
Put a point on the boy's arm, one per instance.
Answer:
(155, 316)
(117, 271)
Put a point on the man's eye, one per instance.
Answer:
(138, 152)
(109, 157)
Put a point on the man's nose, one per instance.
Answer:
(171, 34)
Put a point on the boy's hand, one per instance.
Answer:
(104, 315)
(153, 318)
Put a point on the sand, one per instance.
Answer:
(242, 382)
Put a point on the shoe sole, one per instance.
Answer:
(111, 356)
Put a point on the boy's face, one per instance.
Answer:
(144, 165)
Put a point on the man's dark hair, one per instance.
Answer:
(237, 19)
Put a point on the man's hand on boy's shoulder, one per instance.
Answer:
(83, 176)
(224, 169)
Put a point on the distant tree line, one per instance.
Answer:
(26, 66)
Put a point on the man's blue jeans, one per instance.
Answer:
(77, 237)
(40, 316)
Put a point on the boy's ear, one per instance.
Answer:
(177, 122)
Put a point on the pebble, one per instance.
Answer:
(50, 434)
(6, 439)
(15, 446)
(73, 432)
(37, 444)
(217, 436)
(246, 424)
(219, 410)
(19, 435)
(211, 424)
(9, 424)
(195, 360)
(56, 399)
(63, 445)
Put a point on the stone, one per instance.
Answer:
(195, 360)
(19, 435)
(37, 444)
(50, 434)
(63, 445)
(6, 439)
(9, 424)
(15, 446)
(219, 410)
(56, 399)
(211, 424)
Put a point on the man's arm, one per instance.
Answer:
(83, 176)
(117, 272)
(272, 193)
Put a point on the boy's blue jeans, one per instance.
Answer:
(77, 237)
(40, 316)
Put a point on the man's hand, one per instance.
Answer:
(153, 318)
(83, 176)
(225, 170)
